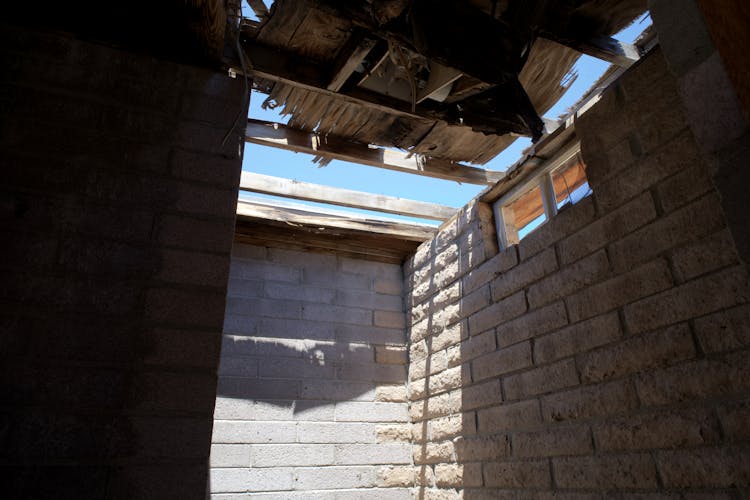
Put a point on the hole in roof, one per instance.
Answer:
(300, 166)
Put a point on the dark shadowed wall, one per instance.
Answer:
(117, 206)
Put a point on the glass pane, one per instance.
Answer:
(524, 215)
(570, 182)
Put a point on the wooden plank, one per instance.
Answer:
(336, 148)
(440, 77)
(346, 243)
(602, 47)
(300, 215)
(289, 188)
(259, 8)
(277, 65)
(350, 56)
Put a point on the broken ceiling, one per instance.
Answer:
(457, 80)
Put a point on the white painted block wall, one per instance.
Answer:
(311, 401)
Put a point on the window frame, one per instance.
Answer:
(541, 177)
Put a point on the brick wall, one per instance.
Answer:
(312, 395)
(607, 353)
(118, 202)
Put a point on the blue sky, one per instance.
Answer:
(298, 166)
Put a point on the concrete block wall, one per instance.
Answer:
(605, 356)
(118, 207)
(312, 383)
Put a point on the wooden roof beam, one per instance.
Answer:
(336, 148)
(259, 7)
(602, 47)
(350, 56)
(289, 188)
(276, 65)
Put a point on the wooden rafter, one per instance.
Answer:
(329, 221)
(336, 148)
(602, 47)
(350, 56)
(289, 188)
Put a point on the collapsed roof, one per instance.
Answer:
(456, 80)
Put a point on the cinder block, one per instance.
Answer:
(432, 453)
(524, 274)
(509, 416)
(238, 367)
(526, 475)
(288, 455)
(612, 398)
(339, 314)
(389, 319)
(370, 412)
(230, 455)
(255, 388)
(734, 418)
(282, 291)
(436, 406)
(451, 426)
(395, 476)
(481, 395)
(500, 263)
(283, 309)
(502, 361)
(694, 298)
(373, 372)
(238, 287)
(337, 390)
(620, 290)
(380, 453)
(712, 467)
(369, 299)
(637, 354)
(295, 369)
(710, 254)
(329, 478)
(195, 234)
(335, 432)
(581, 337)
(229, 431)
(653, 430)
(685, 225)
(471, 348)
(481, 448)
(532, 324)
(475, 301)
(391, 393)
(541, 380)
(561, 441)
(606, 472)
(264, 271)
(498, 313)
(696, 380)
(393, 433)
(586, 271)
(391, 355)
(724, 330)
(563, 224)
(241, 480)
(458, 475)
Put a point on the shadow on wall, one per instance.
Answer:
(298, 374)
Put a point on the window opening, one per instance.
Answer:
(554, 185)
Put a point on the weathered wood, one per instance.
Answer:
(440, 77)
(508, 113)
(336, 148)
(300, 215)
(602, 47)
(289, 188)
(346, 243)
(350, 56)
(259, 8)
